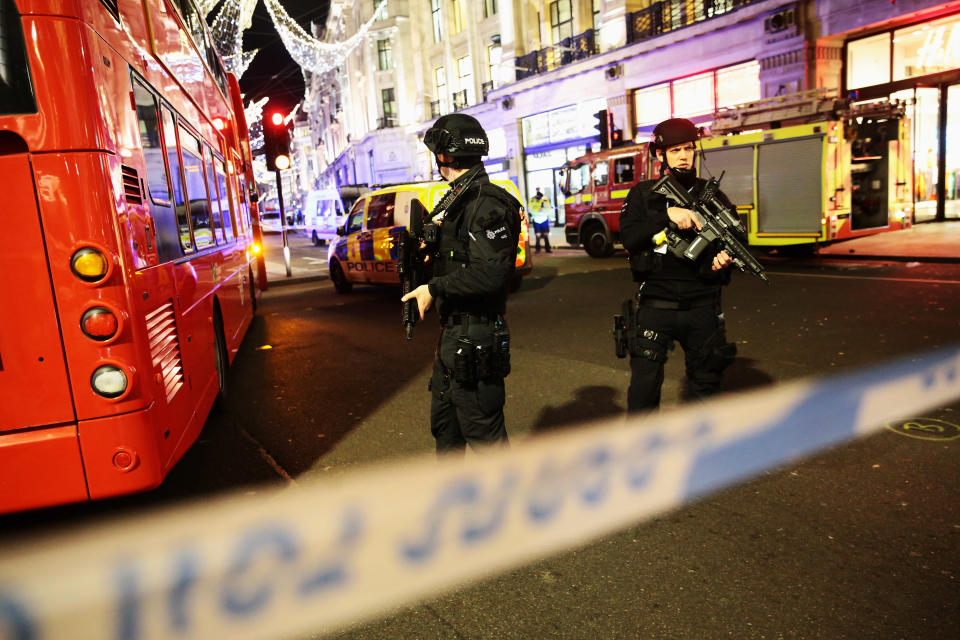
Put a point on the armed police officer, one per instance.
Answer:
(677, 299)
(477, 226)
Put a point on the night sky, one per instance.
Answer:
(273, 73)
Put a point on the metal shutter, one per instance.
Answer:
(737, 182)
(789, 186)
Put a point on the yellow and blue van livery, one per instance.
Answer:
(366, 250)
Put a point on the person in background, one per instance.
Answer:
(539, 208)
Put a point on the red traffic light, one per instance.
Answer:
(276, 118)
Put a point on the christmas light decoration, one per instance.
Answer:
(234, 18)
(312, 54)
(238, 66)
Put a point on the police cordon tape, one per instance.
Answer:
(319, 556)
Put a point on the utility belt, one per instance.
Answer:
(473, 362)
(630, 338)
(466, 319)
(678, 305)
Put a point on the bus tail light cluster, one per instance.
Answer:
(100, 322)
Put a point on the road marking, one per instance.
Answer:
(828, 275)
(925, 429)
(314, 261)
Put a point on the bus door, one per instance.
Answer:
(375, 247)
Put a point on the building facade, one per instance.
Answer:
(535, 72)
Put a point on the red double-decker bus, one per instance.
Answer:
(126, 247)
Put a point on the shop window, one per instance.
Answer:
(623, 170)
(600, 174)
(738, 84)
(693, 96)
(926, 48)
(652, 104)
(868, 61)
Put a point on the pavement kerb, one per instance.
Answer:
(283, 282)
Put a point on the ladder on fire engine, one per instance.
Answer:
(800, 108)
(795, 108)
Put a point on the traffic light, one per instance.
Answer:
(616, 137)
(276, 141)
(604, 127)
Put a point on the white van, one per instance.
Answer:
(323, 212)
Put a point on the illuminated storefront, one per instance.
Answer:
(919, 64)
(553, 138)
(696, 97)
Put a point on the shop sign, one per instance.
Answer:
(546, 160)
(926, 48)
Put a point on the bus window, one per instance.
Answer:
(244, 203)
(196, 190)
(157, 184)
(225, 201)
(623, 170)
(215, 215)
(179, 235)
(600, 174)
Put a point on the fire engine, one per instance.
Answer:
(803, 169)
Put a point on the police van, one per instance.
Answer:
(366, 249)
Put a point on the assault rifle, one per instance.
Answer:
(718, 225)
(410, 264)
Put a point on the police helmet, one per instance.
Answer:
(672, 132)
(457, 135)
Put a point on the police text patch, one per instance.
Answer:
(497, 233)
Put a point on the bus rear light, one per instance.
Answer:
(89, 264)
(109, 381)
(99, 323)
(219, 124)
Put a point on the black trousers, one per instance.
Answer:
(700, 331)
(462, 415)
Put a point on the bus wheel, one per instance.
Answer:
(221, 358)
(596, 242)
(340, 282)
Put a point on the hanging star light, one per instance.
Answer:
(234, 18)
(308, 52)
(237, 66)
(206, 6)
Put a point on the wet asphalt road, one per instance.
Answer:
(860, 542)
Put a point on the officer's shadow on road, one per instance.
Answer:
(539, 278)
(743, 375)
(591, 403)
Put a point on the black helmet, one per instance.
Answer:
(458, 135)
(672, 132)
